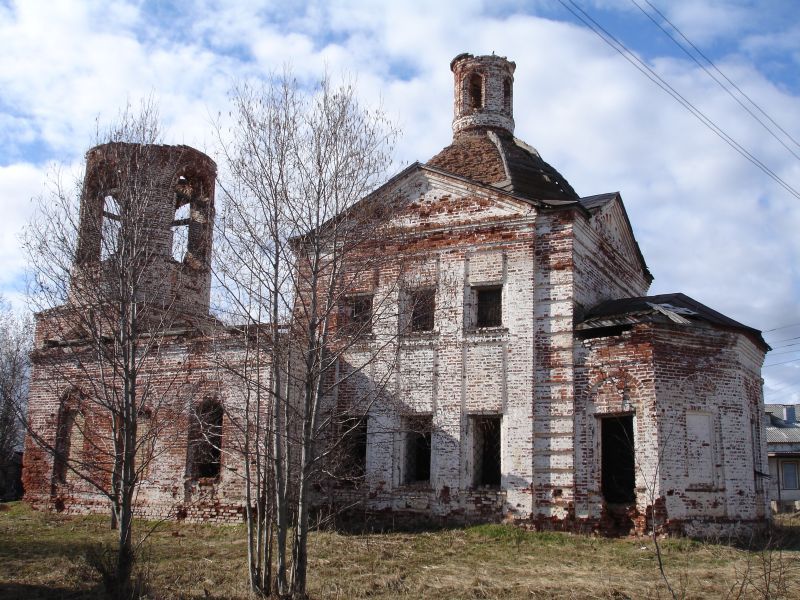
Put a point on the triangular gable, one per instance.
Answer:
(610, 220)
(435, 198)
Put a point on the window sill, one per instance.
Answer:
(205, 481)
(486, 331)
(417, 486)
(411, 337)
(486, 489)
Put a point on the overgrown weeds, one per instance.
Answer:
(45, 556)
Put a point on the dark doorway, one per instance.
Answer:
(618, 469)
(487, 450)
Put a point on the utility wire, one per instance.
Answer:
(782, 363)
(782, 327)
(710, 74)
(612, 41)
(736, 87)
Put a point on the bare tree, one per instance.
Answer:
(15, 341)
(107, 291)
(300, 249)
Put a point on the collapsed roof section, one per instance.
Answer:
(675, 309)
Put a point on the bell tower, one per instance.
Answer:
(146, 219)
(483, 93)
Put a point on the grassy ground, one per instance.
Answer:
(44, 556)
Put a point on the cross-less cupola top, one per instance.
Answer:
(484, 87)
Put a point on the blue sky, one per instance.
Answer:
(710, 224)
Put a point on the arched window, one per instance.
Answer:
(69, 442)
(476, 91)
(507, 94)
(180, 231)
(206, 440)
(110, 232)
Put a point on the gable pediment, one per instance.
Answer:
(436, 199)
(609, 220)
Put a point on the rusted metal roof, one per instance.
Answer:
(677, 309)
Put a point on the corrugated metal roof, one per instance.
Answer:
(783, 435)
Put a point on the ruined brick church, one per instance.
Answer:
(550, 389)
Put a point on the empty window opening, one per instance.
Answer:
(358, 314)
(206, 440)
(423, 308)
(476, 91)
(418, 450)
(180, 232)
(789, 476)
(487, 450)
(490, 306)
(507, 94)
(353, 449)
(110, 232)
(618, 466)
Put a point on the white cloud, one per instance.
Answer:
(709, 223)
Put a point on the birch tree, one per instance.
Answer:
(101, 321)
(299, 239)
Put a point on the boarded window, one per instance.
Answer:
(699, 448)
(490, 306)
(206, 440)
(353, 449)
(789, 475)
(486, 450)
(417, 450)
(423, 308)
(358, 314)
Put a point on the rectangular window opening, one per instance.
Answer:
(353, 449)
(487, 450)
(358, 314)
(490, 306)
(418, 450)
(789, 475)
(423, 308)
(617, 456)
(206, 441)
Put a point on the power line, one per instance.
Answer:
(779, 344)
(736, 87)
(781, 327)
(782, 363)
(714, 77)
(660, 82)
(792, 351)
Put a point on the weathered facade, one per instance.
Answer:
(156, 204)
(547, 386)
(533, 378)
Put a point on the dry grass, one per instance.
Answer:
(43, 556)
